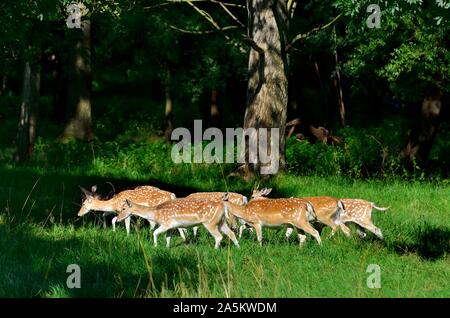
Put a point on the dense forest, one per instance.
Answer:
(349, 97)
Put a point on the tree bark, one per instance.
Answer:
(267, 92)
(422, 136)
(338, 83)
(79, 90)
(27, 123)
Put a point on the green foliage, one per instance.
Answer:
(371, 152)
(409, 51)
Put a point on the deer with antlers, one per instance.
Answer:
(359, 211)
(276, 213)
(182, 213)
(145, 195)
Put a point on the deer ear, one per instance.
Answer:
(225, 196)
(267, 191)
(94, 188)
(128, 202)
(85, 192)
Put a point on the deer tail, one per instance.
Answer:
(379, 208)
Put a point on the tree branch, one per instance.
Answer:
(205, 31)
(317, 29)
(228, 4)
(231, 14)
(291, 5)
(206, 15)
(254, 45)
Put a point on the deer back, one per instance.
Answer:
(189, 211)
(148, 196)
(357, 209)
(278, 210)
(233, 197)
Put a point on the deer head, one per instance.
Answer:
(89, 197)
(125, 211)
(260, 193)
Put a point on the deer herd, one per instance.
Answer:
(221, 212)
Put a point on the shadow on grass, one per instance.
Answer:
(56, 198)
(33, 266)
(429, 242)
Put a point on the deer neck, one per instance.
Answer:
(104, 205)
(237, 210)
(144, 212)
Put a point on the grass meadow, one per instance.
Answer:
(40, 235)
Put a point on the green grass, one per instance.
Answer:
(40, 236)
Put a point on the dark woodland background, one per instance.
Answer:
(352, 100)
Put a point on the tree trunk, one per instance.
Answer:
(267, 92)
(168, 115)
(27, 123)
(422, 136)
(214, 112)
(338, 83)
(59, 91)
(80, 82)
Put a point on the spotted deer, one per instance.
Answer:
(359, 211)
(256, 195)
(145, 195)
(276, 213)
(327, 210)
(182, 213)
(235, 198)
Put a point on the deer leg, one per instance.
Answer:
(333, 227)
(113, 222)
(306, 227)
(168, 237)
(212, 229)
(301, 237)
(159, 230)
(289, 232)
(361, 233)
(195, 229)
(258, 230)
(104, 220)
(127, 225)
(152, 225)
(344, 228)
(228, 232)
(181, 231)
(241, 230)
(372, 228)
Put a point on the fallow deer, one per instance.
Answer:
(145, 195)
(275, 213)
(233, 197)
(182, 213)
(256, 195)
(359, 211)
(327, 210)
